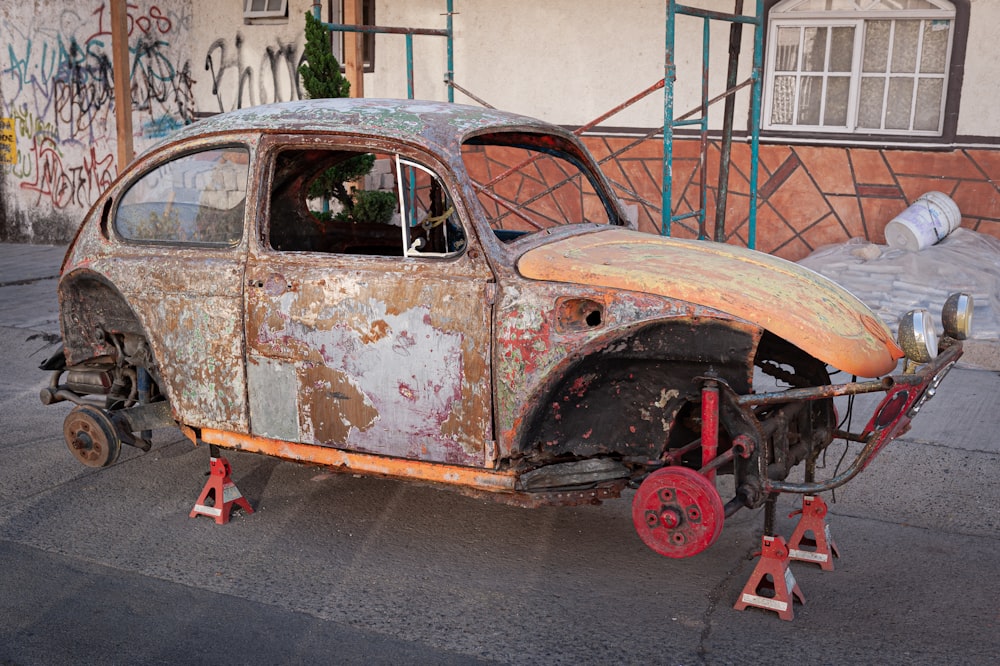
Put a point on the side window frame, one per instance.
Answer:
(163, 216)
(400, 159)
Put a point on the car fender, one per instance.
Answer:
(790, 301)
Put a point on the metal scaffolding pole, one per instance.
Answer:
(737, 20)
(448, 33)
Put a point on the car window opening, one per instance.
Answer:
(196, 199)
(527, 183)
(348, 202)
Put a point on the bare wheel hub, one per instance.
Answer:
(91, 436)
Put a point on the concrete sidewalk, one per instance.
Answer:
(28, 278)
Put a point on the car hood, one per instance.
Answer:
(784, 298)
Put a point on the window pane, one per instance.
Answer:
(897, 113)
(275, 5)
(934, 53)
(903, 4)
(814, 50)
(876, 46)
(928, 116)
(841, 49)
(787, 54)
(904, 46)
(782, 100)
(258, 5)
(823, 5)
(838, 89)
(810, 96)
(197, 198)
(870, 103)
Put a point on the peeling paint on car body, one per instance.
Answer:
(790, 301)
(539, 353)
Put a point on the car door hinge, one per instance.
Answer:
(491, 293)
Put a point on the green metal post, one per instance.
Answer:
(450, 76)
(669, 76)
(755, 94)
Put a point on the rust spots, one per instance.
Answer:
(378, 330)
(792, 302)
(407, 392)
(332, 406)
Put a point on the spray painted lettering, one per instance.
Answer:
(58, 91)
(233, 78)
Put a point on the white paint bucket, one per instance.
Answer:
(928, 220)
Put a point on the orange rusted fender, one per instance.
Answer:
(792, 302)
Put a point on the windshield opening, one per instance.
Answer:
(530, 182)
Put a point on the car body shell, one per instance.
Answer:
(552, 369)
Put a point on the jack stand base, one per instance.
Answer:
(773, 565)
(223, 491)
(821, 548)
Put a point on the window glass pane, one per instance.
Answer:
(823, 5)
(903, 4)
(934, 52)
(897, 112)
(895, 78)
(814, 50)
(782, 100)
(197, 198)
(876, 51)
(904, 46)
(870, 103)
(928, 114)
(275, 5)
(838, 89)
(841, 49)
(787, 55)
(810, 96)
(258, 5)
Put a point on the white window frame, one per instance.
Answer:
(250, 13)
(781, 16)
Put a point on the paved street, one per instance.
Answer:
(105, 566)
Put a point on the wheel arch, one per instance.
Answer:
(92, 311)
(621, 396)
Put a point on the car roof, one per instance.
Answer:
(443, 123)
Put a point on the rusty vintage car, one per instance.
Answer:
(494, 325)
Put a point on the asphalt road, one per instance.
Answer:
(105, 566)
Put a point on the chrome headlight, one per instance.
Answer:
(917, 336)
(956, 316)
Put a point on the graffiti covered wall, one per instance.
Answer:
(57, 100)
(58, 147)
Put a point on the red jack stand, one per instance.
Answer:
(220, 485)
(773, 564)
(822, 549)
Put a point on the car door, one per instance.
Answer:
(368, 318)
(179, 262)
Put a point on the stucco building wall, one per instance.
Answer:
(566, 61)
